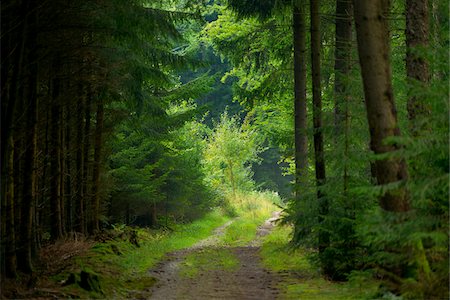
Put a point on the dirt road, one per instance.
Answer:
(244, 278)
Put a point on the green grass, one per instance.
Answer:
(306, 281)
(141, 259)
(208, 259)
(121, 273)
(252, 208)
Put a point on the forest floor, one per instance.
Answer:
(209, 270)
(242, 258)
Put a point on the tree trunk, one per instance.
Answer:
(62, 172)
(87, 148)
(56, 227)
(97, 164)
(342, 56)
(9, 239)
(373, 48)
(324, 238)
(78, 185)
(417, 70)
(24, 256)
(301, 140)
(69, 172)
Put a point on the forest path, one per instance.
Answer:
(209, 270)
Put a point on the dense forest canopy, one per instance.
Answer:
(149, 113)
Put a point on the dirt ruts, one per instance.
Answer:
(249, 280)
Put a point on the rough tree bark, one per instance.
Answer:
(373, 48)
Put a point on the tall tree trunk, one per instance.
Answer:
(78, 185)
(417, 70)
(301, 140)
(10, 87)
(373, 48)
(56, 225)
(324, 238)
(62, 164)
(69, 171)
(97, 164)
(86, 157)
(9, 239)
(342, 56)
(24, 256)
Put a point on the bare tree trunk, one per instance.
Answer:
(24, 256)
(69, 171)
(417, 70)
(56, 225)
(78, 185)
(87, 148)
(342, 56)
(97, 164)
(324, 238)
(10, 238)
(62, 172)
(373, 48)
(301, 140)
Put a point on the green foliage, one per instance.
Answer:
(230, 151)
(251, 209)
(128, 272)
(160, 171)
(279, 255)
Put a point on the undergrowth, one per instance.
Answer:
(304, 280)
(252, 209)
(122, 266)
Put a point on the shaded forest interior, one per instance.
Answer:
(156, 113)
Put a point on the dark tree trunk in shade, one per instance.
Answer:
(342, 54)
(62, 172)
(78, 186)
(417, 69)
(24, 256)
(86, 157)
(301, 140)
(373, 48)
(55, 167)
(97, 164)
(9, 237)
(324, 238)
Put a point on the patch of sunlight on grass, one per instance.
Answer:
(208, 259)
(252, 208)
(241, 232)
(303, 280)
(143, 258)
